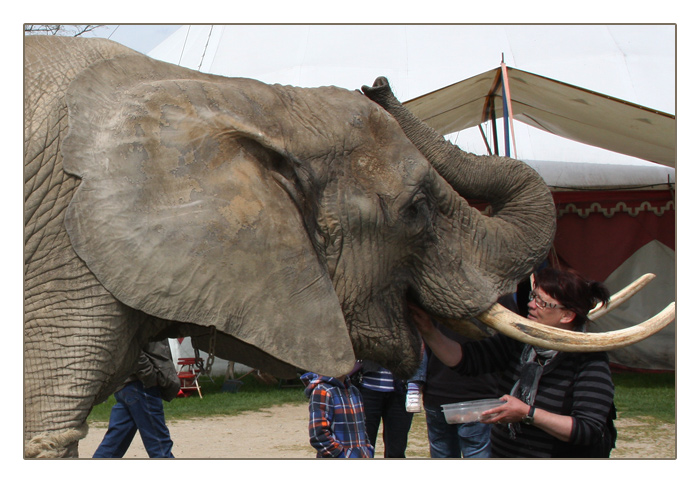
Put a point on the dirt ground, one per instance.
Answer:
(281, 433)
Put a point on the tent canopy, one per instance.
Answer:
(555, 107)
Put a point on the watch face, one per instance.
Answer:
(530, 418)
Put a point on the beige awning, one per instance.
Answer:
(562, 109)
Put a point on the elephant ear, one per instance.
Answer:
(179, 213)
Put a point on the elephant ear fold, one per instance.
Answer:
(179, 215)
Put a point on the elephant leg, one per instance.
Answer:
(79, 344)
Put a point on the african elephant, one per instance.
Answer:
(289, 226)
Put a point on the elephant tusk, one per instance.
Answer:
(529, 332)
(621, 296)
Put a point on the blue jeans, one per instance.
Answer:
(420, 374)
(466, 440)
(139, 408)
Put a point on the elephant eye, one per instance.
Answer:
(418, 210)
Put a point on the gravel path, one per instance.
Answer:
(281, 432)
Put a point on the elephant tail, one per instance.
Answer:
(54, 445)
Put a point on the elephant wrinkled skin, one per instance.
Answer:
(296, 222)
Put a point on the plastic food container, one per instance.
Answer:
(468, 411)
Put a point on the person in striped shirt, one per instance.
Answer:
(556, 404)
(336, 417)
(384, 399)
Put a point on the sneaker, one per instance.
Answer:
(414, 402)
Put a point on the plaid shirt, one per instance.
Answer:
(336, 418)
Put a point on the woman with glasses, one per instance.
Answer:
(556, 404)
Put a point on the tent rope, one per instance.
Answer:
(184, 44)
(211, 29)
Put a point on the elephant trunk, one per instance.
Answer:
(523, 219)
(483, 256)
(477, 258)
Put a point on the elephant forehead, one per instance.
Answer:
(391, 169)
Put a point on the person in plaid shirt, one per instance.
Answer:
(336, 418)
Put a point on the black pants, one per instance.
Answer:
(389, 407)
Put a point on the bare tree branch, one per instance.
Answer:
(67, 30)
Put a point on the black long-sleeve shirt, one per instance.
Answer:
(577, 385)
(445, 386)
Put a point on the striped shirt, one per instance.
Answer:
(336, 418)
(380, 380)
(577, 385)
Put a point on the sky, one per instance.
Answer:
(141, 38)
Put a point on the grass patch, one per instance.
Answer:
(646, 395)
(252, 395)
(636, 395)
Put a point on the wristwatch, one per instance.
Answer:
(530, 418)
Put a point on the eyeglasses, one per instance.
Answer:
(542, 304)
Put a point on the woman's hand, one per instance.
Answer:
(421, 320)
(447, 350)
(513, 411)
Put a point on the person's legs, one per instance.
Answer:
(372, 402)
(120, 432)
(147, 412)
(475, 440)
(443, 437)
(397, 424)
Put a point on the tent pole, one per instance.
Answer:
(507, 111)
(671, 189)
(489, 114)
(486, 141)
(495, 127)
(506, 131)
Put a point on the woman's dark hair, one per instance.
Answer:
(572, 291)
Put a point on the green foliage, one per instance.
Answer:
(252, 395)
(652, 395)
